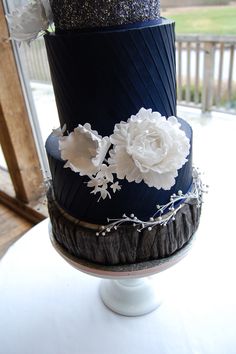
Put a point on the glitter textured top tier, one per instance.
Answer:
(78, 14)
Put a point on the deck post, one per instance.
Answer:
(208, 77)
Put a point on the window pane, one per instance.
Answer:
(36, 82)
(36, 71)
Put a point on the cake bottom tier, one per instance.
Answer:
(126, 245)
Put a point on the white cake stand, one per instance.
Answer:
(126, 289)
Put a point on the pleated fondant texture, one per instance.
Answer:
(105, 77)
(125, 245)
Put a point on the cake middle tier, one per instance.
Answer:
(104, 76)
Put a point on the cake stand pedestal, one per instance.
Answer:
(126, 289)
(130, 297)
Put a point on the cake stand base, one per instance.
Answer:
(126, 289)
(130, 297)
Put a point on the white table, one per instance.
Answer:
(48, 307)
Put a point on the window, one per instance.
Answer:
(20, 134)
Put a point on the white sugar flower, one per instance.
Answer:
(94, 183)
(27, 21)
(149, 147)
(59, 131)
(115, 187)
(84, 150)
(106, 172)
(103, 192)
(48, 10)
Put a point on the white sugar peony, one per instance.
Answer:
(84, 150)
(27, 21)
(149, 148)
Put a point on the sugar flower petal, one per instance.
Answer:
(84, 150)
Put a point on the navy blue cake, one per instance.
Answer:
(113, 67)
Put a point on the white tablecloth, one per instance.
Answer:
(48, 307)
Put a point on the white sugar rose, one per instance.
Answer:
(84, 150)
(149, 148)
(27, 21)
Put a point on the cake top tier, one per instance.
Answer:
(78, 14)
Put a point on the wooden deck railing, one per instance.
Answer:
(206, 70)
(34, 57)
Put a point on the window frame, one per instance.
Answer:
(20, 142)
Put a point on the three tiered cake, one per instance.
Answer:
(123, 188)
(109, 61)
